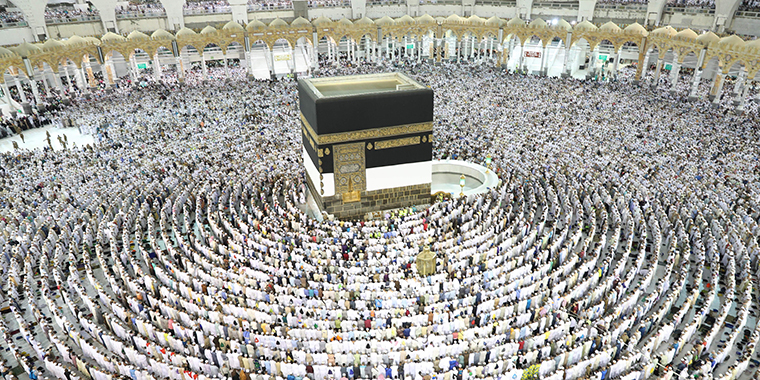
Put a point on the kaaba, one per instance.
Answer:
(367, 142)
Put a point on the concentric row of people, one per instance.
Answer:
(179, 246)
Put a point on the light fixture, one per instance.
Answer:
(488, 162)
(461, 186)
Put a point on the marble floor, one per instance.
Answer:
(36, 138)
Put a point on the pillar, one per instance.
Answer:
(616, 65)
(20, 89)
(314, 49)
(420, 41)
(742, 98)
(695, 83)
(715, 92)
(293, 57)
(740, 82)
(271, 59)
(58, 82)
(133, 66)
(542, 70)
(7, 95)
(657, 69)
(565, 69)
(110, 72)
(642, 72)
(156, 68)
(675, 71)
(45, 84)
(203, 65)
(90, 75)
(35, 91)
(68, 77)
(181, 66)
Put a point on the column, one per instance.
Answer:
(542, 70)
(7, 95)
(271, 59)
(110, 73)
(490, 49)
(458, 49)
(90, 76)
(156, 67)
(472, 47)
(740, 82)
(742, 98)
(420, 41)
(203, 65)
(20, 89)
(720, 78)
(35, 91)
(642, 70)
(314, 51)
(58, 82)
(68, 77)
(43, 74)
(181, 66)
(695, 83)
(133, 66)
(616, 65)
(657, 69)
(387, 47)
(293, 58)
(675, 72)
(566, 72)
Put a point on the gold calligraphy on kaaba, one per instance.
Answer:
(365, 134)
(395, 143)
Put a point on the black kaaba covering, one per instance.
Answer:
(365, 111)
(356, 112)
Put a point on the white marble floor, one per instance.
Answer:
(36, 138)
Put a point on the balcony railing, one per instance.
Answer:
(71, 19)
(749, 14)
(201, 11)
(688, 10)
(269, 7)
(501, 3)
(16, 24)
(141, 14)
(330, 4)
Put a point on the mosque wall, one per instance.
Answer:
(10, 36)
(549, 13)
(144, 25)
(336, 13)
(82, 29)
(487, 11)
(745, 23)
(685, 20)
(200, 21)
(392, 11)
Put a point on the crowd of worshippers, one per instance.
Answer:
(67, 12)
(750, 6)
(10, 17)
(708, 4)
(621, 238)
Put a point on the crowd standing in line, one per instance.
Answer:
(621, 239)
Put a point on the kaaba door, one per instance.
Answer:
(350, 168)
